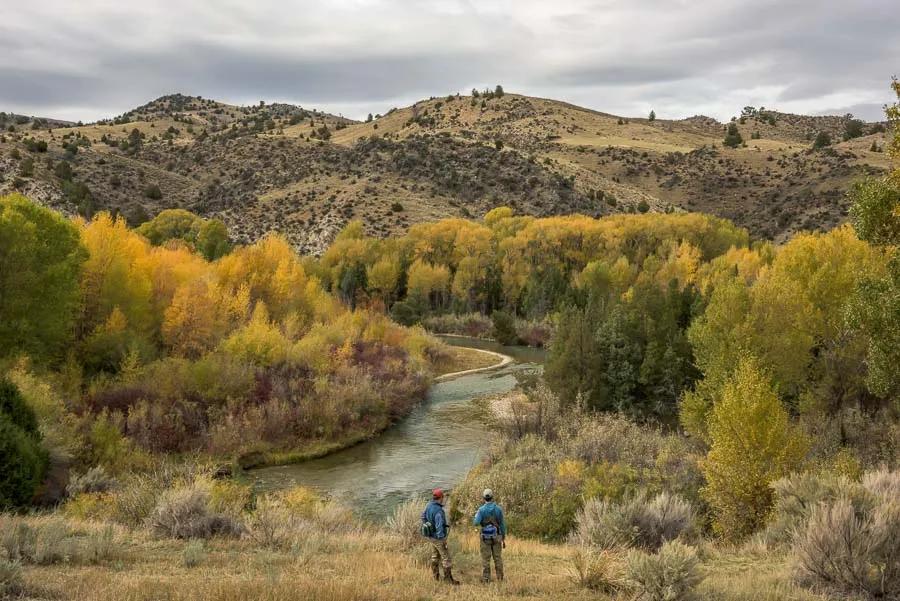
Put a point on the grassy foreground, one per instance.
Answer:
(362, 563)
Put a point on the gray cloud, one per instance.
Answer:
(98, 58)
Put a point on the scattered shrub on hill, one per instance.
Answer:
(823, 139)
(853, 129)
(63, 170)
(733, 137)
(153, 192)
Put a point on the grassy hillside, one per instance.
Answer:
(305, 173)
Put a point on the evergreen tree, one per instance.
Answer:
(733, 137)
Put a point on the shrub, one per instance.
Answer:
(504, 328)
(851, 549)
(822, 140)
(882, 483)
(598, 571)
(16, 409)
(11, 582)
(185, 512)
(153, 192)
(795, 498)
(95, 480)
(635, 522)
(407, 312)
(24, 465)
(405, 522)
(733, 137)
(63, 170)
(51, 541)
(194, 554)
(278, 523)
(669, 575)
(98, 547)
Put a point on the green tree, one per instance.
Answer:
(823, 139)
(570, 369)
(733, 137)
(752, 444)
(652, 116)
(40, 265)
(876, 308)
(504, 328)
(207, 236)
(23, 460)
(853, 129)
(213, 240)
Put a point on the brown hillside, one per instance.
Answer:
(306, 173)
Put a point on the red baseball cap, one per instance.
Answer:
(437, 493)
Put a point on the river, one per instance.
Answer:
(435, 445)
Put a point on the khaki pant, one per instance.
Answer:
(491, 548)
(440, 553)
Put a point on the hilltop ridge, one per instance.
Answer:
(306, 173)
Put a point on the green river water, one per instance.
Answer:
(435, 445)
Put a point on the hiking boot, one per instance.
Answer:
(448, 577)
(436, 571)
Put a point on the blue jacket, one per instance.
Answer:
(486, 511)
(434, 513)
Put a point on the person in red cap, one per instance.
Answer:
(435, 528)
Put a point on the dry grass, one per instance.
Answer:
(365, 563)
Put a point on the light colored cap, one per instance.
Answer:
(488, 493)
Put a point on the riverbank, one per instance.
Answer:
(471, 361)
(458, 361)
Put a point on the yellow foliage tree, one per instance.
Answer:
(752, 444)
(116, 275)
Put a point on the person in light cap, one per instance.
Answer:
(436, 528)
(489, 518)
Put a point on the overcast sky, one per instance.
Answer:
(87, 59)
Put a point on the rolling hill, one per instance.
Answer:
(306, 173)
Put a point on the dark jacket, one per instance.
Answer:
(434, 513)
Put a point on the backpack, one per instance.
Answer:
(427, 529)
(490, 529)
